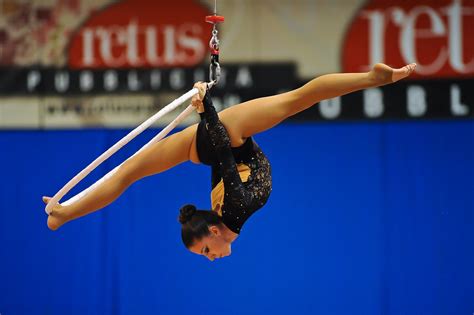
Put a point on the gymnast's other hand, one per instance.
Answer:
(196, 101)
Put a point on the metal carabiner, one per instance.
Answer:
(214, 70)
(214, 43)
(214, 66)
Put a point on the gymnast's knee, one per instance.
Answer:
(128, 173)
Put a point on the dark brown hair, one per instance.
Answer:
(195, 223)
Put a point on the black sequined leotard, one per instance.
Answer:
(241, 199)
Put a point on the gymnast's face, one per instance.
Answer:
(212, 246)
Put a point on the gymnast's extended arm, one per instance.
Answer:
(234, 188)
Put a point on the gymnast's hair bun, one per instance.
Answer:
(186, 213)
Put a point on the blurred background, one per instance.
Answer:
(372, 204)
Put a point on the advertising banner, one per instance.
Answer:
(102, 63)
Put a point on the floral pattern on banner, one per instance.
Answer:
(38, 32)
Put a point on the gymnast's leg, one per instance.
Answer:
(156, 158)
(254, 116)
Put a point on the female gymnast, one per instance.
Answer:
(241, 175)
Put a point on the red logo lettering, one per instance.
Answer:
(142, 33)
(437, 35)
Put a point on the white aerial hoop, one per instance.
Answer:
(117, 146)
(214, 74)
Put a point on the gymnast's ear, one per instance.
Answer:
(46, 199)
(214, 230)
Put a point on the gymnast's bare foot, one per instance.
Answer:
(57, 217)
(383, 74)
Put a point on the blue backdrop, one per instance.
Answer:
(363, 219)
